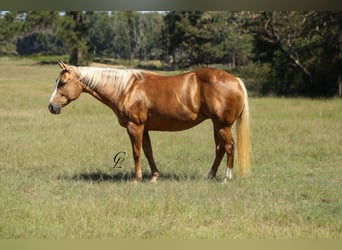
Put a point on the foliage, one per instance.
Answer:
(10, 26)
(297, 52)
(73, 30)
(253, 75)
(39, 43)
(28, 32)
(196, 37)
(305, 49)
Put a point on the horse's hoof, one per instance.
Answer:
(153, 180)
(211, 175)
(154, 177)
(212, 178)
(136, 181)
(227, 180)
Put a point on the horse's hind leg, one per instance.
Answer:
(228, 142)
(219, 149)
(147, 147)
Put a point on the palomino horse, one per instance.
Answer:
(144, 101)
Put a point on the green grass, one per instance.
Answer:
(57, 179)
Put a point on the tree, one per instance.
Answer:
(204, 38)
(101, 33)
(149, 41)
(73, 30)
(126, 35)
(37, 35)
(237, 41)
(304, 48)
(171, 37)
(28, 32)
(11, 25)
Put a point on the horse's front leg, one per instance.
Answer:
(135, 133)
(149, 155)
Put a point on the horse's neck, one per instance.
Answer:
(107, 85)
(94, 83)
(100, 94)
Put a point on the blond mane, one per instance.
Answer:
(98, 77)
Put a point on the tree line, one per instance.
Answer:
(279, 52)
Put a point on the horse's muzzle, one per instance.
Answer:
(54, 109)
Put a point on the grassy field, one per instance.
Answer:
(57, 178)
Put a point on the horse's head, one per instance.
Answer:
(68, 88)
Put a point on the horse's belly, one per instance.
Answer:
(172, 124)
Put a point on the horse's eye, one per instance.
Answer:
(61, 84)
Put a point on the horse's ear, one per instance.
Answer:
(62, 65)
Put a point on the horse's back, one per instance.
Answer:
(213, 75)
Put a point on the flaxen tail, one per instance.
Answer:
(244, 149)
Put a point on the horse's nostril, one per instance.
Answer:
(54, 109)
(50, 108)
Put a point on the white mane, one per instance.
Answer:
(97, 77)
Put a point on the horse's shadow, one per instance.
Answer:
(100, 177)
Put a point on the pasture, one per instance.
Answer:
(57, 178)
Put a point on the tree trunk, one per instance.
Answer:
(233, 61)
(340, 57)
(79, 49)
(340, 86)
